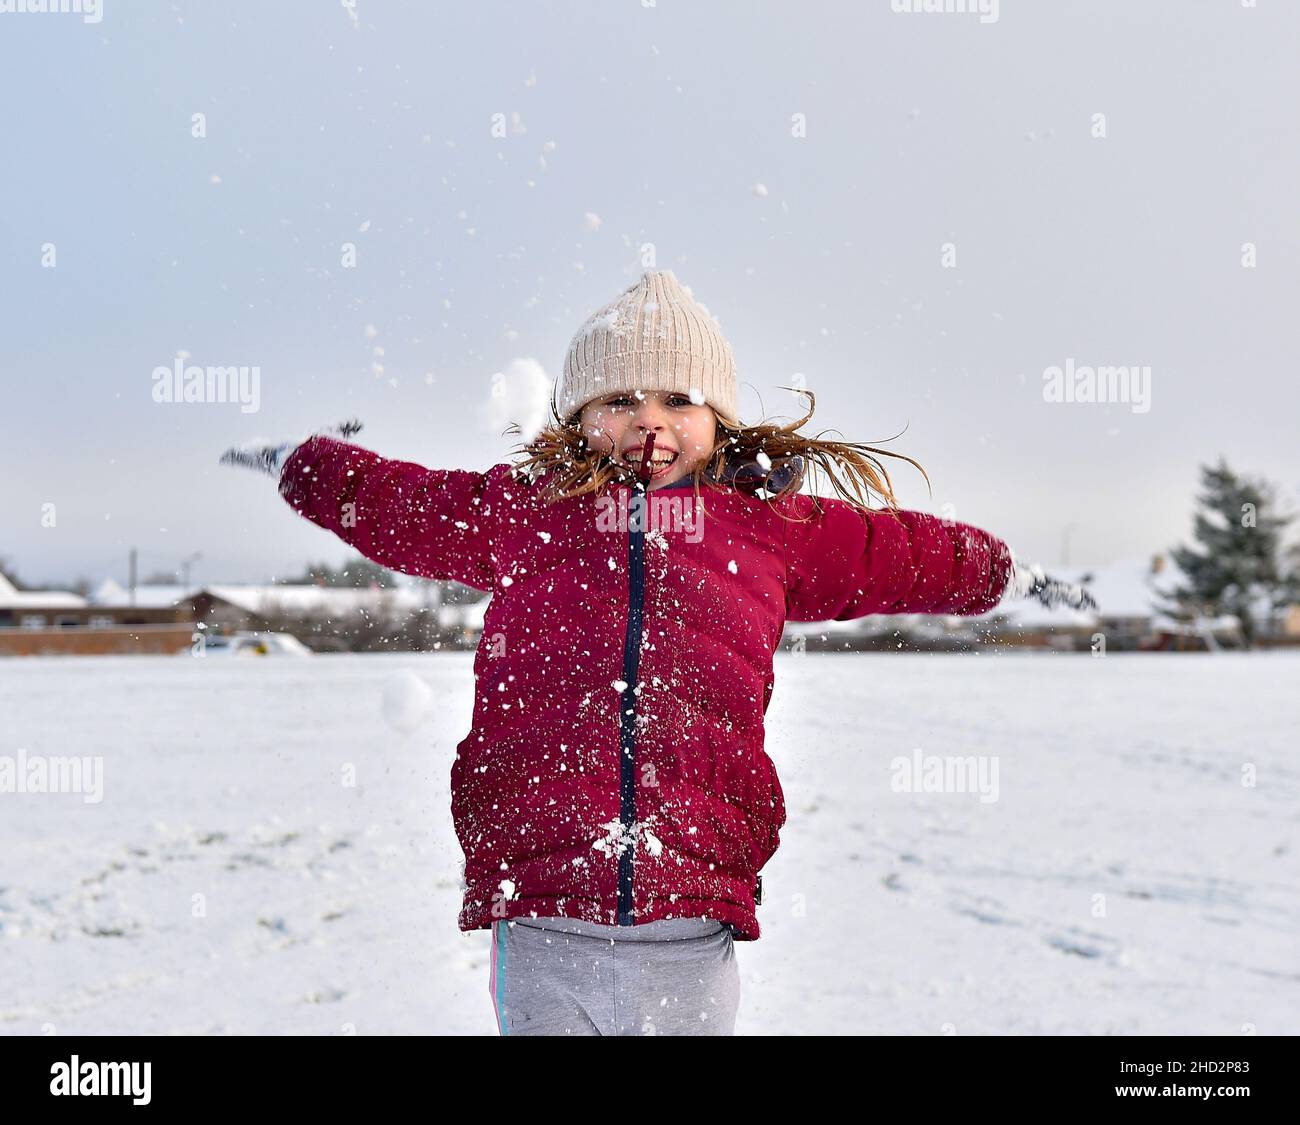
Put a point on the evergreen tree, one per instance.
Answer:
(1234, 566)
(8, 572)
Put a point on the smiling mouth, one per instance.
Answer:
(660, 461)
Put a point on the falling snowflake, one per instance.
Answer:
(612, 844)
(619, 838)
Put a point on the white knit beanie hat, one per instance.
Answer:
(654, 337)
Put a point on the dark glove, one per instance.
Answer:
(270, 459)
(1029, 581)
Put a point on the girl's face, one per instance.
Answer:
(617, 425)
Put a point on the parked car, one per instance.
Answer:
(254, 644)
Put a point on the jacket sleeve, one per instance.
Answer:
(434, 523)
(847, 563)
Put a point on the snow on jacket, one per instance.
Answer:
(615, 769)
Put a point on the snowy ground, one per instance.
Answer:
(1125, 881)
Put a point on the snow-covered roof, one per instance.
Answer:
(113, 596)
(13, 598)
(264, 600)
(1127, 588)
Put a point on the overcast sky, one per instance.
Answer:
(800, 166)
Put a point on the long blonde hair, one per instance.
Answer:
(560, 451)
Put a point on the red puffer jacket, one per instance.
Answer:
(615, 770)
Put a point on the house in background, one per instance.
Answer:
(39, 609)
(325, 618)
(173, 618)
(109, 595)
(1128, 610)
(1130, 617)
(52, 622)
(433, 616)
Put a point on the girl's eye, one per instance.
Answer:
(673, 400)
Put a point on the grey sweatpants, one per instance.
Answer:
(563, 976)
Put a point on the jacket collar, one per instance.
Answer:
(748, 475)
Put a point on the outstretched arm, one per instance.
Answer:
(434, 523)
(847, 563)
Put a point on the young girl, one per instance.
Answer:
(613, 797)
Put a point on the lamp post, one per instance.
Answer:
(1065, 543)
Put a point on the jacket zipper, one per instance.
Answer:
(627, 718)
